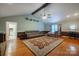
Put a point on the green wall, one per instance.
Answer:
(23, 24)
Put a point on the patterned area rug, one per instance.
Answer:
(40, 46)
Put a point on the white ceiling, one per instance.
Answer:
(57, 11)
(8, 9)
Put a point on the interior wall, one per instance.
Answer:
(25, 25)
(22, 23)
(47, 27)
(65, 25)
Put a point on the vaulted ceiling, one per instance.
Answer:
(55, 11)
(13, 9)
(60, 11)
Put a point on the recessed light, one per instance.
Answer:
(68, 16)
(75, 14)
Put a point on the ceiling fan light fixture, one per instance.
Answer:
(44, 17)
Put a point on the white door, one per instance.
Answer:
(11, 30)
(11, 36)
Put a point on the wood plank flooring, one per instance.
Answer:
(20, 50)
(69, 47)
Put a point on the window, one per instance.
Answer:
(73, 27)
(54, 28)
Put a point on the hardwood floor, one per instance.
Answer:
(19, 49)
(68, 47)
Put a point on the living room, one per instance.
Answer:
(48, 29)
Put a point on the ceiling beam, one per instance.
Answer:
(43, 6)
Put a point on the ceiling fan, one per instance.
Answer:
(46, 16)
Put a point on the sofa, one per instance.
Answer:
(73, 34)
(70, 34)
(31, 34)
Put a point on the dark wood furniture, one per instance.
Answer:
(22, 35)
(73, 34)
(2, 37)
(70, 34)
